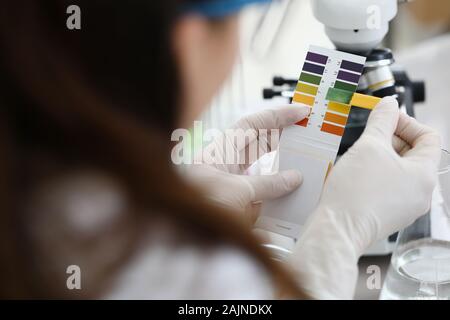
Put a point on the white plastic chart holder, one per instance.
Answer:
(311, 145)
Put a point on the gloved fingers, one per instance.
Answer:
(225, 152)
(266, 187)
(278, 118)
(254, 132)
(424, 141)
(400, 145)
(254, 211)
(237, 138)
(383, 120)
(257, 148)
(244, 157)
(236, 151)
(252, 153)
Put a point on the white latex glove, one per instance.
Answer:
(228, 185)
(382, 184)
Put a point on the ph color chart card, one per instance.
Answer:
(322, 70)
(311, 146)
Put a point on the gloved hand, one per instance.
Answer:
(221, 169)
(382, 184)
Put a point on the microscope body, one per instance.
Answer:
(359, 27)
(355, 26)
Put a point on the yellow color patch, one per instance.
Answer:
(301, 98)
(338, 107)
(306, 88)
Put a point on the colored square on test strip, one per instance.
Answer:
(335, 118)
(301, 98)
(339, 107)
(306, 88)
(347, 76)
(352, 66)
(310, 78)
(330, 128)
(303, 123)
(345, 86)
(313, 68)
(338, 95)
(315, 57)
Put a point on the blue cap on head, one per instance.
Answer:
(218, 8)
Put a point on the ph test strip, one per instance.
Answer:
(309, 81)
(338, 96)
(324, 69)
(327, 83)
(345, 86)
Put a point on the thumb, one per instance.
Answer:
(383, 120)
(267, 187)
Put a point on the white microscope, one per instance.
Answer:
(359, 27)
(356, 26)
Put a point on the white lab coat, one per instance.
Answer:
(429, 61)
(189, 273)
(67, 212)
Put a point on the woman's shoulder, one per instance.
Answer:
(74, 220)
(191, 272)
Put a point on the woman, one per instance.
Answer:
(87, 180)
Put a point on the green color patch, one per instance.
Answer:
(306, 77)
(338, 95)
(345, 86)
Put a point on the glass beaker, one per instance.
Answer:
(420, 264)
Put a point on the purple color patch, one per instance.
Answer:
(314, 68)
(352, 66)
(347, 76)
(315, 57)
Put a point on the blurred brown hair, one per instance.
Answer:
(101, 96)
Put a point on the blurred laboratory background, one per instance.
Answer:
(274, 39)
